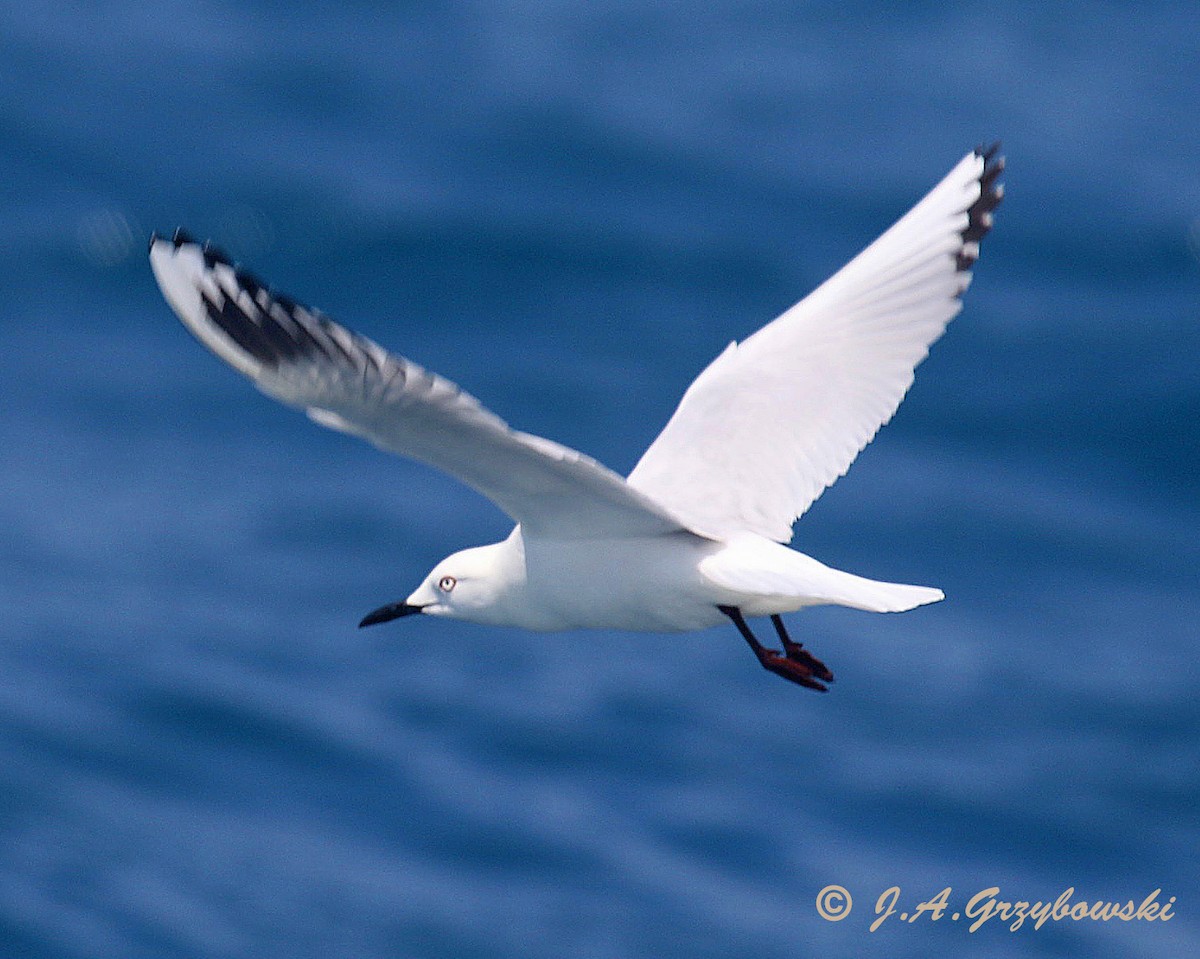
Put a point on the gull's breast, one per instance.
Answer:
(648, 584)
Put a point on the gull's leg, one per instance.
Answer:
(795, 670)
(797, 652)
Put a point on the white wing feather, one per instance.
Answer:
(349, 383)
(776, 419)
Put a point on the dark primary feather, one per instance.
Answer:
(979, 214)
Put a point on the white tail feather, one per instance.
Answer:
(877, 597)
(771, 577)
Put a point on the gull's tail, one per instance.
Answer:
(765, 574)
(874, 596)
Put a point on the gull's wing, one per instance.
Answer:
(776, 419)
(344, 381)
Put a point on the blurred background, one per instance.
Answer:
(569, 208)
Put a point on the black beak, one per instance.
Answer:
(386, 613)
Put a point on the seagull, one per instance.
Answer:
(696, 535)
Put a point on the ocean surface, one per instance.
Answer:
(569, 208)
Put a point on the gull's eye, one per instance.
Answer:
(446, 583)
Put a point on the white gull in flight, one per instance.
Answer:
(694, 535)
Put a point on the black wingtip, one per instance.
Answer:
(179, 238)
(979, 215)
(987, 152)
(214, 255)
(249, 282)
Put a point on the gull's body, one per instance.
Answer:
(671, 582)
(694, 536)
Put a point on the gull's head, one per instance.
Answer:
(472, 585)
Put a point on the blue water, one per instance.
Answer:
(569, 208)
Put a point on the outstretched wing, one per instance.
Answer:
(776, 419)
(345, 381)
